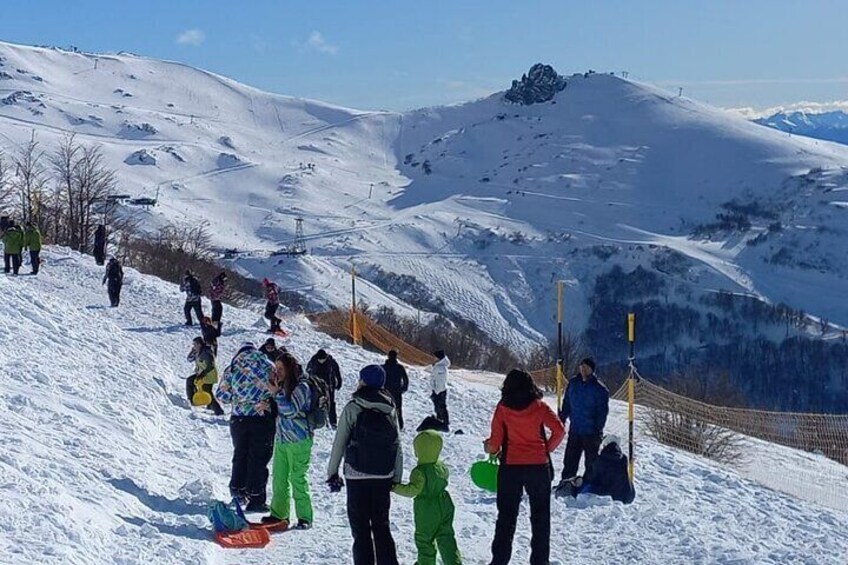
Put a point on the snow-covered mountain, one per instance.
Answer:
(103, 461)
(830, 126)
(475, 210)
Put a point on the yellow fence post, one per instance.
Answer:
(354, 324)
(631, 391)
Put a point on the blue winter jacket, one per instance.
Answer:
(292, 425)
(586, 404)
(244, 383)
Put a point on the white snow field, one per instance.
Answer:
(485, 204)
(103, 461)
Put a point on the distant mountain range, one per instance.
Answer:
(830, 126)
(728, 239)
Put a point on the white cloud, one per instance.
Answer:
(191, 37)
(317, 43)
(807, 107)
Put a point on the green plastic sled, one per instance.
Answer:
(484, 474)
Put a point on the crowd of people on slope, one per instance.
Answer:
(16, 240)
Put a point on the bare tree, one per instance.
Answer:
(30, 181)
(93, 185)
(63, 161)
(6, 189)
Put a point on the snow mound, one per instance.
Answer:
(141, 157)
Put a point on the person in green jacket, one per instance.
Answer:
(32, 240)
(13, 244)
(433, 507)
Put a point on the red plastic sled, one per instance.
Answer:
(246, 538)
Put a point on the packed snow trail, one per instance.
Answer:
(103, 461)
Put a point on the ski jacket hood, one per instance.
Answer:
(427, 446)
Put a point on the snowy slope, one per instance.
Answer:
(513, 198)
(104, 462)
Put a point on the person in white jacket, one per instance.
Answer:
(439, 386)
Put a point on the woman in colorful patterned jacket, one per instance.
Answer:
(293, 446)
(245, 385)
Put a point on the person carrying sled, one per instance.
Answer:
(272, 303)
(397, 383)
(518, 437)
(32, 241)
(245, 385)
(292, 446)
(439, 387)
(368, 440)
(114, 276)
(211, 331)
(217, 289)
(13, 244)
(191, 287)
(323, 366)
(433, 506)
(205, 374)
(586, 405)
(100, 244)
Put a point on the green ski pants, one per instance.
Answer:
(291, 464)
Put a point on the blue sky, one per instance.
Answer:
(402, 54)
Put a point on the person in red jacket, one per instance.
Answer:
(519, 438)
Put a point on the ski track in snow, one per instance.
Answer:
(104, 461)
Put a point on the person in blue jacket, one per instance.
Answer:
(608, 474)
(586, 405)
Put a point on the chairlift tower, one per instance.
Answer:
(299, 247)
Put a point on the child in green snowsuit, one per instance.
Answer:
(433, 506)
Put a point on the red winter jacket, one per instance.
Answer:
(520, 436)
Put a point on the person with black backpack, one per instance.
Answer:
(369, 441)
(292, 446)
(323, 366)
(191, 286)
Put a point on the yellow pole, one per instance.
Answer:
(559, 368)
(354, 326)
(631, 392)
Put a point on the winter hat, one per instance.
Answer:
(246, 345)
(608, 439)
(589, 362)
(269, 343)
(321, 354)
(392, 355)
(439, 353)
(373, 376)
